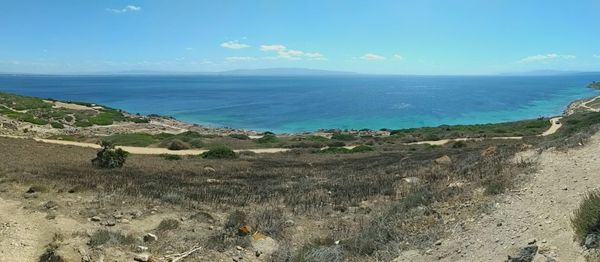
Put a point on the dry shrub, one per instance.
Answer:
(586, 218)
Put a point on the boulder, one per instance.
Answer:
(443, 160)
(150, 237)
(591, 241)
(209, 169)
(525, 254)
(264, 246)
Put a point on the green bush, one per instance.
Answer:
(586, 218)
(239, 136)
(168, 224)
(219, 152)
(336, 144)
(361, 148)
(57, 125)
(109, 157)
(343, 137)
(177, 144)
(82, 123)
(68, 118)
(459, 144)
(268, 138)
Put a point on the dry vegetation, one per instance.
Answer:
(342, 207)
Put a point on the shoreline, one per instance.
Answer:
(166, 124)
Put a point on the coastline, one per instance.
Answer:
(157, 124)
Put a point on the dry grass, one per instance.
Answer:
(271, 188)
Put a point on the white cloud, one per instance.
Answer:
(398, 57)
(284, 53)
(596, 56)
(240, 58)
(235, 44)
(267, 48)
(372, 57)
(129, 8)
(546, 57)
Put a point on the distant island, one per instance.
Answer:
(594, 85)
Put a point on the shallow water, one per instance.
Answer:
(292, 104)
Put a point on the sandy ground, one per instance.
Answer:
(539, 210)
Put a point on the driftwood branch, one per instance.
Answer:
(177, 257)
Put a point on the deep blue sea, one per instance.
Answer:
(292, 104)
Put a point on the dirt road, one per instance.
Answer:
(538, 211)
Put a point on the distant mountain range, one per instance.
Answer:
(548, 73)
(283, 72)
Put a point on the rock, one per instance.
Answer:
(144, 257)
(525, 254)
(265, 246)
(95, 218)
(150, 237)
(141, 249)
(289, 223)
(239, 248)
(456, 184)
(490, 151)
(443, 161)
(118, 215)
(135, 214)
(209, 169)
(531, 241)
(438, 243)
(50, 205)
(31, 195)
(412, 180)
(499, 224)
(591, 241)
(124, 221)
(109, 223)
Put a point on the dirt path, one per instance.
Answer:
(555, 125)
(23, 233)
(539, 210)
(585, 105)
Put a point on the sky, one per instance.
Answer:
(377, 36)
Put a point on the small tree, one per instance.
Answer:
(109, 156)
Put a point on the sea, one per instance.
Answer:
(286, 104)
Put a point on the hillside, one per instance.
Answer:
(467, 195)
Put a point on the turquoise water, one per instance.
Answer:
(294, 104)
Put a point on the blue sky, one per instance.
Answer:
(385, 37)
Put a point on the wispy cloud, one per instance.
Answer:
(291, 54)
(546, 57)
(596, 56)
(129, 8)
(398, 57)
(240, 58)
(372, 57)
(235, 44)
